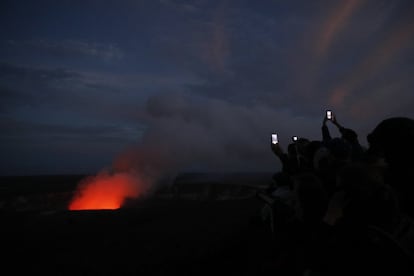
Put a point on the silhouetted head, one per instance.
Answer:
(339, 148)
(393, 139)
(322, 159)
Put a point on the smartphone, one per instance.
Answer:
(294, 138)
(274, 138)
(329, 114)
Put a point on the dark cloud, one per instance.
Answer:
(11, 127)
(55, 87)
(25, 85)
(10, 98)
(68, 49)
(29, 86)
(210, 79)
(184, 6)
(256, 82)
(10, 71)
(29, 147)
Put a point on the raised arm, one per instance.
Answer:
(326, 136)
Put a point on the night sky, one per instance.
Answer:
(193, 85)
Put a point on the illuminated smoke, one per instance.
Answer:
(106, 191)
(189, 135)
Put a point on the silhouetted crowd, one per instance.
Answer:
(338, 208)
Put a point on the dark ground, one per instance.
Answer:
(152, 236)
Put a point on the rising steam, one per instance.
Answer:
(106, 191)
(186, 133)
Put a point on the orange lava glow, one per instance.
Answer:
(105, 191)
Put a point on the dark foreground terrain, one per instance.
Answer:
(158, 235)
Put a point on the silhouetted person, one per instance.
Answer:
(296, 159)
(289, 160)
(392, 140)
(347, 134)
(364, 214)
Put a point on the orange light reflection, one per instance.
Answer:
(104, 191)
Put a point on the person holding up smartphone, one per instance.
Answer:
(347, 134)
(326, 136)
(289, 160)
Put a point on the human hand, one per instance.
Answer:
(276, 148)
